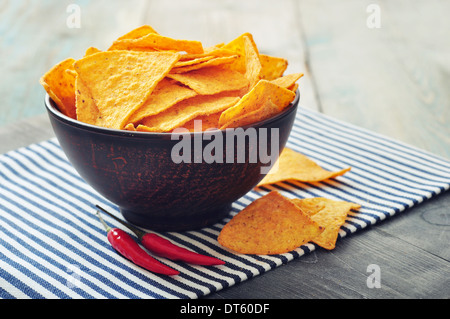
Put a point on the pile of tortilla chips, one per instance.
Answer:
(148, 82)
(274, 224)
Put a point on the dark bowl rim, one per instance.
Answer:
(52, 108)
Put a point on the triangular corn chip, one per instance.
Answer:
(256, 98)
(328, 213)
(267, 110)
(138, 33)
(185, 111)
(121, 81)
(269, 225)
(87, 110)
(287, 81)
(272, 67)
(154, 41)
(196, 66)
(211, 80)
(166, 94)
(295, 166)
(252, 63)
(60, 86)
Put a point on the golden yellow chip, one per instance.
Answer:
(210, 62)
(154, 41)
(166, 94)
(91, 50)
(138, 32)
(252, 63)
(287, 81)
(189, 62)
(238, 46)
(129, 127)
(272, 67)
(257, 97)
(293, 87)
(329, 214)
(185, 111)
(208, 52)
(87, 110)
(267, 110)
(270, 225)
(60, 86)
(121, 81)
(203, 122)
(211, 80)
(295, 166)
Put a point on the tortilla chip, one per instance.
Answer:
(185, 111)
(293, 87)
(207, 63)
(154, 41)
(203, 123)
(272, 67)
(329, 214)
(252, 63)
(138, 33)
(270, 225)
(238, 46)
(129, 127)
(287, 81)
(211, 80)
(121, 81)
(189, 62)
(266, 111)
(91, 50)
(60, 86)
(166, 94)
(257, 97)
(208, 52)
(86, 108)
(295, 166)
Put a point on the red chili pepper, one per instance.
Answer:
(164, 248)
(127, 247)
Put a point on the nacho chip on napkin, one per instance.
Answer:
(269, 225)
(328, 213)
(295, 166)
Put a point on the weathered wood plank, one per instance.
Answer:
(393, 79)
(35, 36)
(25, 132)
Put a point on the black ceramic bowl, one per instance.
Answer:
(136, 170)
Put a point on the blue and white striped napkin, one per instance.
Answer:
(53, 246)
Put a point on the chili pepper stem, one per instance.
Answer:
(107, 228)
(139, 233)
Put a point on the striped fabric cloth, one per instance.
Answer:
(52, 244)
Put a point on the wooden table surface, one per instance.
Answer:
(392, 78)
